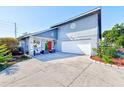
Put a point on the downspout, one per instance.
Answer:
(99, 25)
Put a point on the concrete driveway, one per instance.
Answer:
(54, 56)
(71, 71)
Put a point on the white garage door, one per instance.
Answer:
(78, 47)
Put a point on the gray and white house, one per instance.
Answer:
(77, 35)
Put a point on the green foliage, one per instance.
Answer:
(106, 59)
(11, 43)
(110, 51)
(5, 54)
(120, 55)
(120, 41)
(113, 39)
(115, 36)
(98, 51)
(104, 49)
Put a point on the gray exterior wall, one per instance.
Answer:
(86, 28)
(49, 34)
(83, 24)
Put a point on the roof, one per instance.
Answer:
(91, 12)
(35, 33)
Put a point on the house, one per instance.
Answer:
(77, 35)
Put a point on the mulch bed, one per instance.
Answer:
(115, 61)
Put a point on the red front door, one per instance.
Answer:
(49, 45)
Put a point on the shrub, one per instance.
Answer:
(110, 51)
(98, 51)
(120, 54)
(17, 51)
(5, 54)
(11, 43)
(104, 49)
(106, 59)
(101, 49)
(113, 40)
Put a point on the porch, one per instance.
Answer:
(41, 45)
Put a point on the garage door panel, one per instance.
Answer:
(77, 47)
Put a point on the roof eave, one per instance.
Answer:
(96, 10)
(35, 33)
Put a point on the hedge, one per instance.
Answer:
(11, 43)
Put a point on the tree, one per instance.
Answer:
(115, 36)
(9, 42)
(5, 54)
(113, 40)
(120, 41)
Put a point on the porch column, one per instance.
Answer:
(31, 46)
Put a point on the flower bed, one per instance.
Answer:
(118, 61)
(115, 61)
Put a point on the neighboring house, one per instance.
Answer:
(76, 35)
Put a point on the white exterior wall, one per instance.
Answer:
(30, 45)
(84, 28)
(40, 47)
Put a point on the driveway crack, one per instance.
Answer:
(79, 75)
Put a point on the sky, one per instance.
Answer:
(32, 19)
